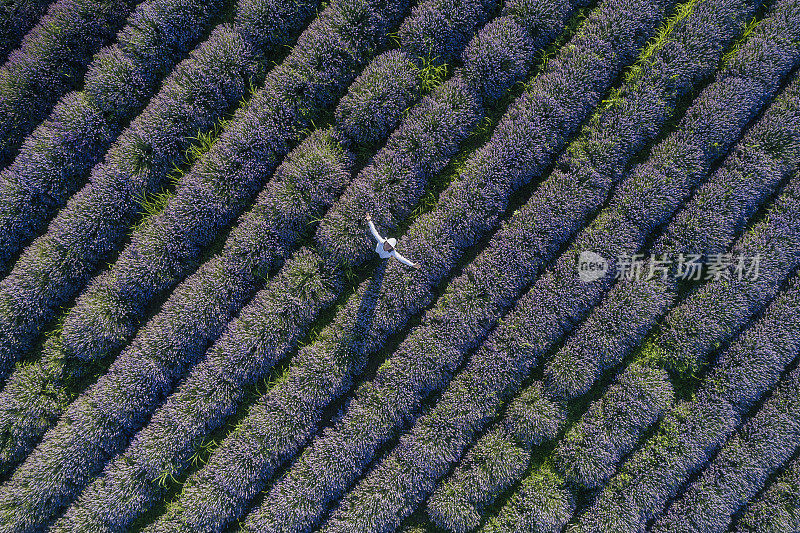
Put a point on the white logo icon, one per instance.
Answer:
(591, 266)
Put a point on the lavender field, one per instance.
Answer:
(586, 317)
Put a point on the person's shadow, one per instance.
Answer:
(361, 337)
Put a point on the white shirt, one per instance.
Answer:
(383, 253)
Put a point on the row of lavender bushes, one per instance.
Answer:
(476, 289)
(308, 181)
(55, 158)
(16, 18)
(448, 507)
(52, 60)
(776, 509)
(312, 77)
(314, 378)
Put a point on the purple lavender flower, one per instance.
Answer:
(55, 158)
(691, 432)
(267, 25)
(742, 466)
(51, 60)
(776, 509)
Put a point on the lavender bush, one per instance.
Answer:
(51, 60)
(16, 18)
(692, 431)
(776, 509)
(542, 504)
(589, 452)
(498, 459)
(742, 466)
(96, 218)
(57, 155)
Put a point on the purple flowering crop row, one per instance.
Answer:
(313, 381)
(708, 225)
(691, 432)
(25, 410)
(16, 18)
(458, 322)
(319, 68)
(51, 60)
(494, 463)
(303, 187)
(589, 459)
(53, 161)
(742, 465)
(389, 476)
(776, 510)
(543, 503)
(209, 394)
(95, 219)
